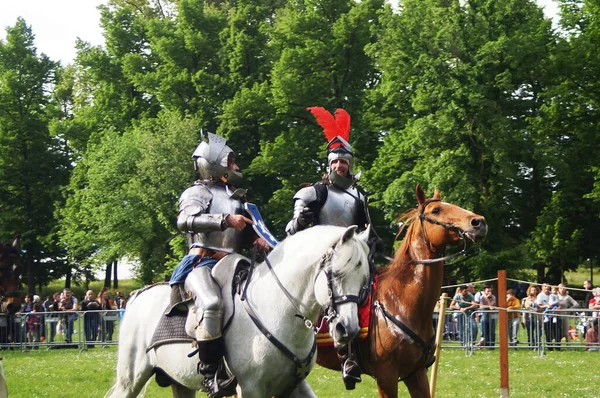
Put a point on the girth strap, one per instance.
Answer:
(302, 366)
(428, 349)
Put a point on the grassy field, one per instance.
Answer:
(74, 374)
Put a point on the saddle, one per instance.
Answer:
(230, 274)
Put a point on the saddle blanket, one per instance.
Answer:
(170, 330)
(364, 319)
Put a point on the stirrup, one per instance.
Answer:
(351, 374)
(219, 388)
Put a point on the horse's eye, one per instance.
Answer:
(436, 210)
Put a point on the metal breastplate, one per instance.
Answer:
(230, 240)
(340, 208)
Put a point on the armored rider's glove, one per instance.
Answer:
(305, 217)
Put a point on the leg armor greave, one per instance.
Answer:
(207, 298)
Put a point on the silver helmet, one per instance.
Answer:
(341, 150)
(211, 160)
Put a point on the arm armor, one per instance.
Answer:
(193, 206)
(201, 222)
(302, 199)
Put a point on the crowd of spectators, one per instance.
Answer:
(57, 316)
(545, 311)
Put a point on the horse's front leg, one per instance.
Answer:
(418, 384)
(302, 390)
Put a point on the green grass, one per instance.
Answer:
(74, 374)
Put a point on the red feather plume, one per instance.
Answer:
(332, 127)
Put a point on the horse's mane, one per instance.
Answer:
(320, 238)
(409, 221)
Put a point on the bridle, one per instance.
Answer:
(303, 365)
(463, 252)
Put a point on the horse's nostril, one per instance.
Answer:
(476, 222)
(341, 329)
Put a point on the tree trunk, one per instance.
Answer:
(30, 275)
(108, 274)
(68, 278)
(115, 277)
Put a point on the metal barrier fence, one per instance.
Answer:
(537, 331)
(64, 329)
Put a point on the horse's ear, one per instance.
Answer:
(17, 242)
(436, 194)
(420, 195)
(348, 234)
(364, 235)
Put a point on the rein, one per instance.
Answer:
(463, 252)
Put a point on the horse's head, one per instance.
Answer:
(444, 223)
(10, 271)
(344, 272)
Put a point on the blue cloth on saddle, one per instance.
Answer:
(185, 267)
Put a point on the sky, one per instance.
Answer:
(56, 24)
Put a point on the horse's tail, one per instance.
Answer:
(3, 387)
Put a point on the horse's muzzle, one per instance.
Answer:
(343, 331)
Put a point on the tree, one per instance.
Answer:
(33, 164)
(458, 88)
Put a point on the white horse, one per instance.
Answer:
(323, 267)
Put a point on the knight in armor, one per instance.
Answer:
(212, 216)
(337, 200)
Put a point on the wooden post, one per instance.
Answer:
(439, 334)
(503, 328)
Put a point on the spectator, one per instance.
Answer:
(28, 304)
(465, 303)
(587, 285)
(475, 329)
(589, 288)
(514, 318)
(552, 323)
(565, 302)
(34, 324)
(118, 298)
(51, 319)
(543, 303)
(68, 304)
(108, 324)
(591, 337)
(532, 320)
(47, 303)
(595, 303)
(91, 317)
(488, 305)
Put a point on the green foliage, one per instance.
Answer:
(33, 164)
(482, 100)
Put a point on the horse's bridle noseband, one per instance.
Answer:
(334, 301)
(450, 227)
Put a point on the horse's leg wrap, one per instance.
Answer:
(350, 368)
(217, 380)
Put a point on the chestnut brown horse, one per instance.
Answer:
(10, 272)
(400, 344)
